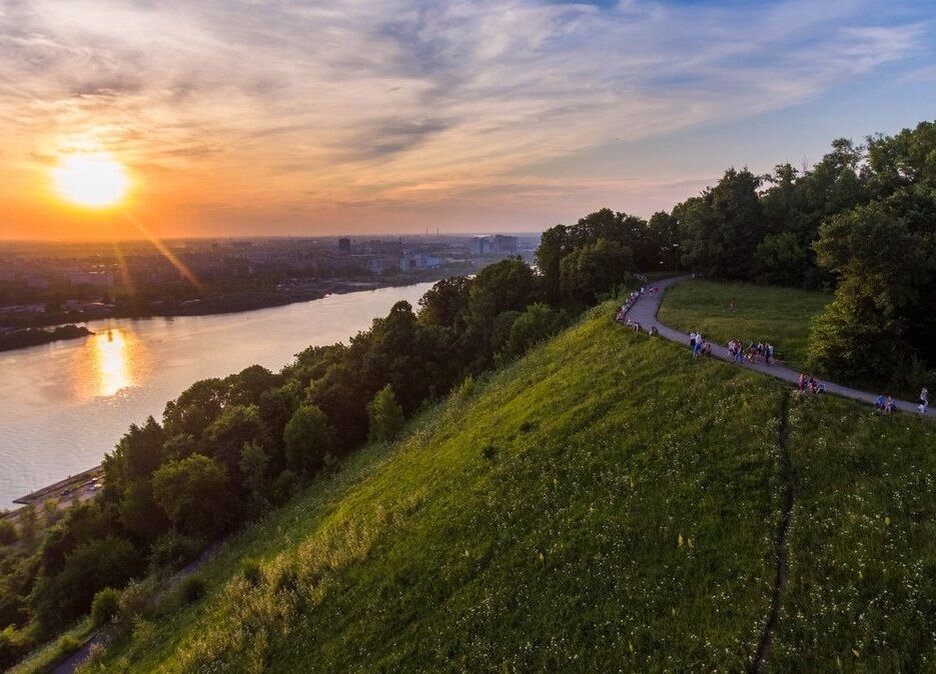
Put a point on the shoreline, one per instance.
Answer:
(216, 306)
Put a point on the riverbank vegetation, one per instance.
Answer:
(18, 339)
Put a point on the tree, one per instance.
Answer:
(199, 403)
(508, 285)
(140, 514)
(28, 524)
(195, 495)
(725, 226)
(136, 456)
(386, 416)
(664, 229)
(247, 386)
(782, 259)
(537, 323)
(254, 464)
(444, 304)
(8, 535)
(58, 599)
(307, 440)
(594, 269)
(631, 232)
(236, 425)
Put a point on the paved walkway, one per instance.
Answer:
(645, 311)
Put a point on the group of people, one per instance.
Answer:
(886, 405)
(698, 345)
(755, 352)
(632, 298)
(806, 385)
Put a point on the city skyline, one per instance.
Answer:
(372, 118)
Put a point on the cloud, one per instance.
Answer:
(386, 101)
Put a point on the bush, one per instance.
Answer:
(105, 605)
(8, 535)
(14, 644)
(144, 633)
(253, 574)
(172, 551)
(134, 601)
(386, 416)
(192, 588)
(285, 485)
(67, 645)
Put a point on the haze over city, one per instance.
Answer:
(231, 118)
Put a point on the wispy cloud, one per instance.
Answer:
(390, 104)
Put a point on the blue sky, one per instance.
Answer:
(296, 117)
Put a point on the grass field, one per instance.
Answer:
(778, 315)
(604, 503)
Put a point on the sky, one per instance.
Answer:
(245, 117)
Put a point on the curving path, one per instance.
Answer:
(645, 311)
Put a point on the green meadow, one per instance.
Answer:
(781, 316)
(604, 503)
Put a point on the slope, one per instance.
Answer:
(605, 500)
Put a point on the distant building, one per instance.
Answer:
(344, 246)
(493, 244)
(98, 279)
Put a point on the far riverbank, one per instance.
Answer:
(68, 325)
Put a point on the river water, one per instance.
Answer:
(63, 405)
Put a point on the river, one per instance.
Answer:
(63, 405)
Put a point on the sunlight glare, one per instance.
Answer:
(91, 180)
(111, 362)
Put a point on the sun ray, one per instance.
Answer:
(164, 250)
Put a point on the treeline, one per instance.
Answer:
(228, 450)
(861, 222)
(18, 339)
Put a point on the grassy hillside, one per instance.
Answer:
(778, 315)
(606, 501)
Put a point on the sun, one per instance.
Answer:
(91, 180)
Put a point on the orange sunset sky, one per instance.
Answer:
(362, 116)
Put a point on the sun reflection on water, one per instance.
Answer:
(111, 362)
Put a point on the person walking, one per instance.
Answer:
(924, 400)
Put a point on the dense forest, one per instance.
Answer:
(861, 222)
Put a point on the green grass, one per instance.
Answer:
(781, 316)
(604, 503)
(861, 595)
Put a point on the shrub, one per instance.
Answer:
(172, 551)
(489, 452)
(67, 645)
(8, 535)
(14, 644)
(253, 574)
(144, 633)
(134, 601)
(466, 388)
(191, 589)
(386, 416)
(105, 605)
(285, 485)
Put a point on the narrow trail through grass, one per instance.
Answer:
(786, 510)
